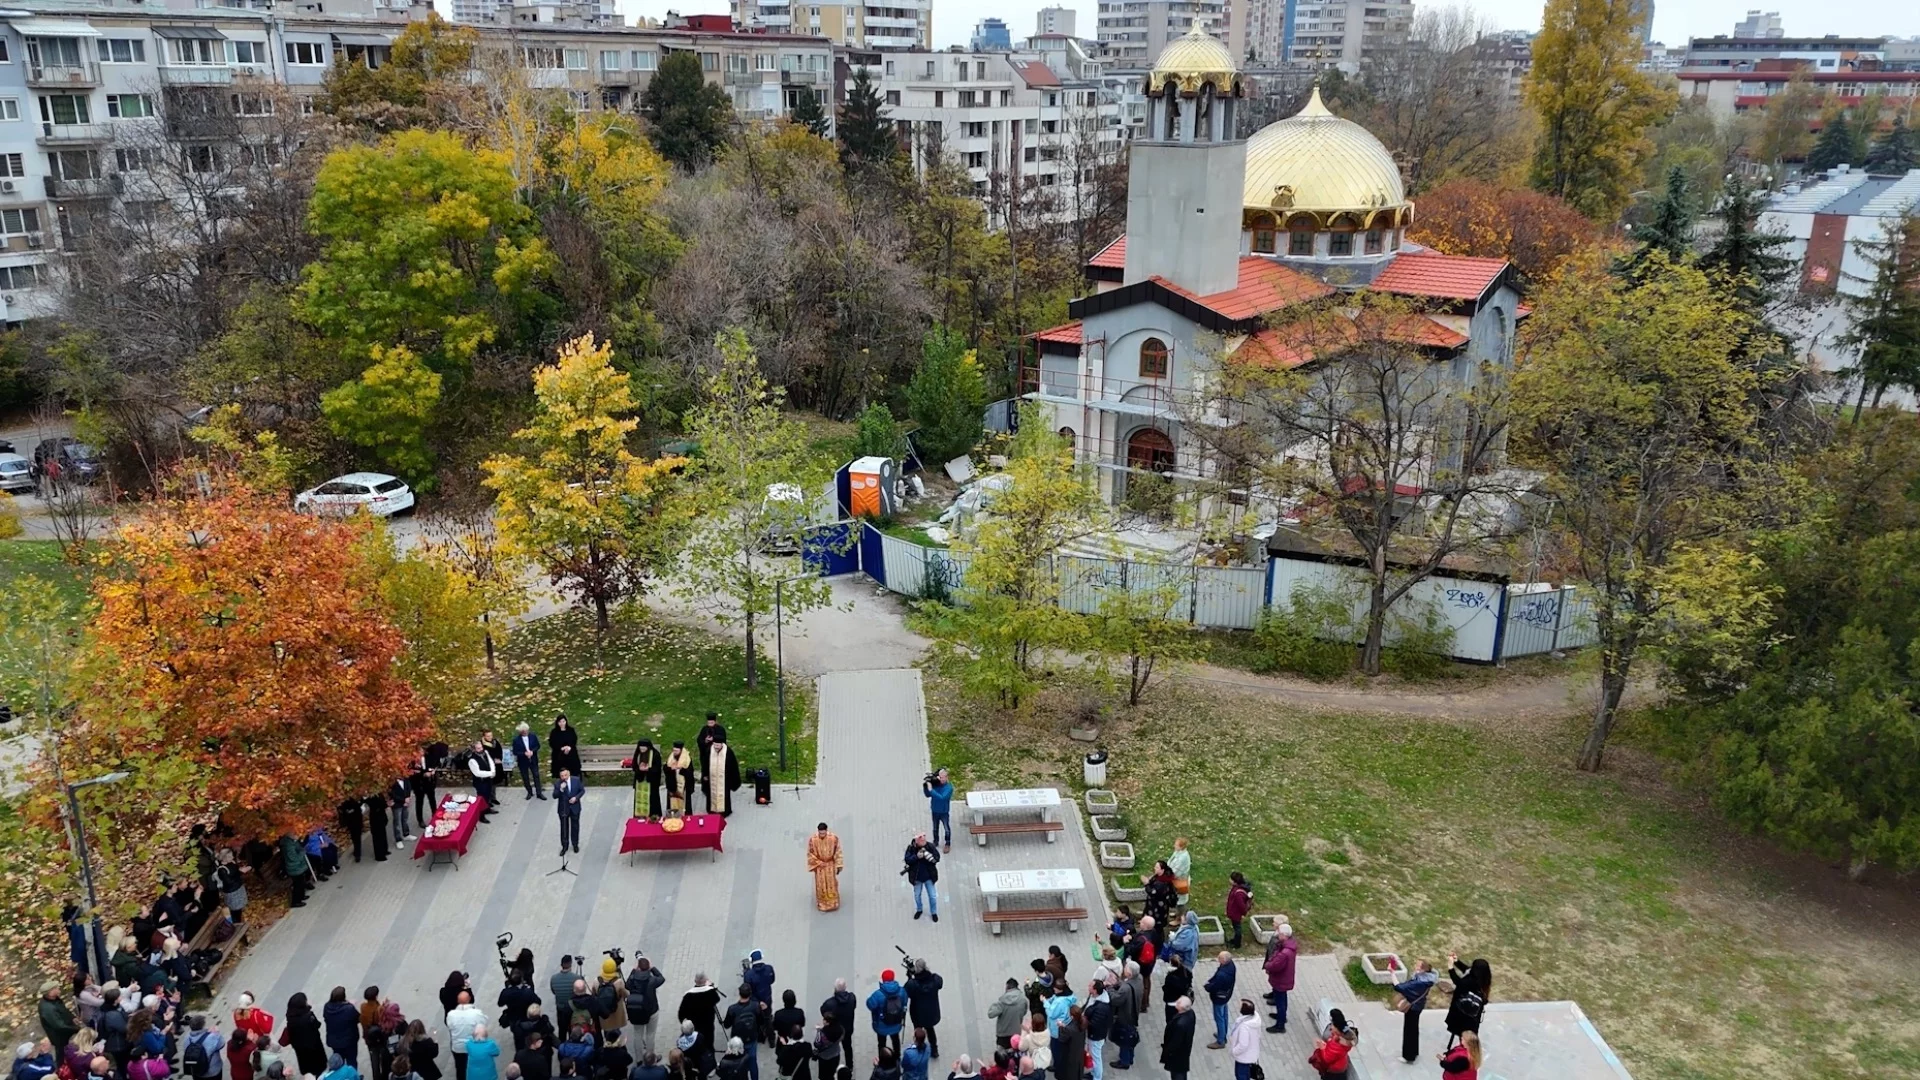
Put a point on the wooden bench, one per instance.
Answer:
(204, 939)
(994, 828)
(604, 759)
(1035, 915)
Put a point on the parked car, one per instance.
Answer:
(16, 473)
(67, 458)
(374, 493)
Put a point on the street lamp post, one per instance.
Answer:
(86, 864)
(780, 660)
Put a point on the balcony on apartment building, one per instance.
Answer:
(196, 74)
(73, 134)
(890, 41)
(85, 187)
(85, 73)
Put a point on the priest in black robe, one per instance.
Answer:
(722, 778)
(647, 770)
(712, 733)
(677, 780)
(563, 744)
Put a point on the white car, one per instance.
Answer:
(375, 493)
(16, 473)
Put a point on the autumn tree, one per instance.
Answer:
(423, 245)
(1347, 413)
(754, 486)
(947, 397)
(1534, 232)
(576, 502)
(428, 63)
(687, 117)
(1007, 611)
(867, 138)
(1884, 316)
(464, 538)
(432, 602)
(1640, 400)
(1141, 626)
(1786, 120)
(1593, 102)
(1435, 98)
(387, 411)
(251, 642)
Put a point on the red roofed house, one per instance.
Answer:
(1222, 233)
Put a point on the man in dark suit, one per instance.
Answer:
(567, 793)
(526, 752)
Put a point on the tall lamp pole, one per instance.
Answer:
(780, 660)
(86, 862)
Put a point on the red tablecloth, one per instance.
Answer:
(455, 841)
(702, 831)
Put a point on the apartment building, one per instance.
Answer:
(1829, 53)
(1056, 20)
(1727, 92)
(1344, 34)
(1760, 25)
(98, 102)
(990, 35)
(887, 24)
(1006, 118)
(1133, 32)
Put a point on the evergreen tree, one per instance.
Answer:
(1834, 147)
(1671, 230)
(946, 397)
(1894, 152)
(687, 117)
(867, 138)
(809, 113)
(1886, 318)
(1744, 256)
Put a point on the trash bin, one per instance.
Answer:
(1094, 769)
(762, 787)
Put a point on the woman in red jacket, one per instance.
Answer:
(1239, 903)
(1334, 1056)
(1463, 1061)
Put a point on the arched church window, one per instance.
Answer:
(1300, 242)
(1153, 359)
(1263, 237)
(1340, 243)
(1375, 242)
(1067, 434)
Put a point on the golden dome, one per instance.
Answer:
(1316, 161)
(1192, 60)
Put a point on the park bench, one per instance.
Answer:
(604, 759)
(204, 940)
(995, 828)
(1070, 915)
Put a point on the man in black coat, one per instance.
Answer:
(643, 1003)
(842, 1006)
(536, 1058)
(353, 823)
(535, 1023)
(376, 805)
(702, 1006)
(923, 1002)
(1176, 1049)
(514, 999)
(743, 1022)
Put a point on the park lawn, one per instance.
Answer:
(1695, 954)
(41, 558)
(647, 677)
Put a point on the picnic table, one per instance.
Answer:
(1044, 800)
(450, 847)
(1062, 883)
(698, 831)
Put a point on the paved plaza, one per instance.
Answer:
(400, 927)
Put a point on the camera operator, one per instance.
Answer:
(515, 997)
(938, 789)
(921, 867)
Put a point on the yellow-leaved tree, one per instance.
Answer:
(1593, 103)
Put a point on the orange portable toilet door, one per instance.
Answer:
(865, 492)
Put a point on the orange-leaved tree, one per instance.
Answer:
(1534, 232)
(252, 641)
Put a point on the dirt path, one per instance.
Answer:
(1507, 696)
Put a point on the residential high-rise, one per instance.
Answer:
(884, 24)
(1336, 34)
(1266, 30)
(990, 35)
(1056, 20)
(1133, 32)
(1757, 25)
(482, 11)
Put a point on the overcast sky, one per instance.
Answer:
(1674, 20)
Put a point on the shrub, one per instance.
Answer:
(876, 434)
(1422, 648)
(9, 517)
(1311, 636)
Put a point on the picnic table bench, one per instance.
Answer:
(1060, 883)
(1044, 800)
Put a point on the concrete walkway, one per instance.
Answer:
(400, 927)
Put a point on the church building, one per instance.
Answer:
(1223, 232)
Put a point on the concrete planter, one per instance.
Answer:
(1265, 926)
(1212, 931)
(1128, 894)
(1102, 802)
(1383, 968)
(1108, 827)
(1117, 855)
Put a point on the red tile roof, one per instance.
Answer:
(1424, 330)
(1113, 256)
(1273, 348)
(1264, 286)
(1035, 73)
(1449, 277)
(1065, 333)
(1294, 346)
(1521, 311)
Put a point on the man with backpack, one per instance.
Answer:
(643, 1002)
(200, 1056)
(742, 1021)
(888, 1007)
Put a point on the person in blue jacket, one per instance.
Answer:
(939, 792)
(888, 1007)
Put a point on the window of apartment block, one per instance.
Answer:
(939, 98)
(610, 59)
(764, 61)
(889, 69)
(129, 106)
(74, 165)
(930, 65)
(123, 51)
(13, 166)
(1340, 243)
(3, 51)
(24, 276)
(576, 59)
(198, 51)
(644, 60)
(251, 105)
(980, 70)
(976, 129)
(966, 99)
(977, 159)
(46, 52)
(1033, 127)
(709, 61)
(133, 158)
(1032, 154)
(20, 222)
(299, 53)
(893, 97)
(961, 70)
(202, 158)
(1006, 98)
(247, 52)
(9, 108)
(65, 109)
(1299, 242)
(1051, 127)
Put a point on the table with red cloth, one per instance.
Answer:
(699, 831)
(454, 844)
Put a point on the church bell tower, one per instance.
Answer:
(1185, 177)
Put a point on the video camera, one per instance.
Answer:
(619, 958)
(906, 962)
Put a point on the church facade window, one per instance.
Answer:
(1299, 242)
(1153, 359)
(1340, 243)
(1066, 433)
(1375, 242)
(1263, 239)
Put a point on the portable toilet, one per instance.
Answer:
(870, 487)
